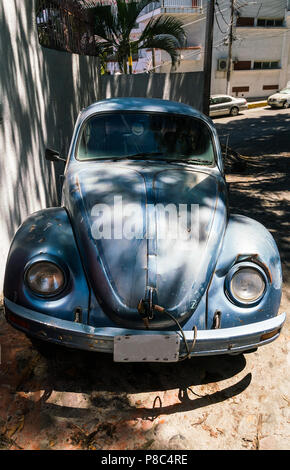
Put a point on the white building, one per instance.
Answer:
(260, 50)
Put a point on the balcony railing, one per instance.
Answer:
(181, 5)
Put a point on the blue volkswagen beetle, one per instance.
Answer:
(142, 259)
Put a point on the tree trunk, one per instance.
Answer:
(153, 60)
(125, 65)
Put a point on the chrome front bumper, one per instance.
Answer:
(276, 104)
(76, 335)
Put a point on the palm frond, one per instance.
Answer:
(106, 24)
(113, 27)
(128, 12)
(165, 25)
(167, 43)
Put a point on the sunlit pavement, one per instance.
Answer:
(256, 131)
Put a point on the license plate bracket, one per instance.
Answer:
(146, 348)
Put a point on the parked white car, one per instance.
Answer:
(225, 104)
(280, 99)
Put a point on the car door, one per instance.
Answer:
(214, 107)
(225, 103)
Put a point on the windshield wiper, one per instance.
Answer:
(143, 155)
(188, 161)
(139, 156)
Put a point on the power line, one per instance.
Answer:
(190, 54)
(221, 12)
(218, 23)
(254, 34)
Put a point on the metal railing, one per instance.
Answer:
(63, 27)
(182, 5)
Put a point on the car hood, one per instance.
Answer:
(279, 96)
(144, 228)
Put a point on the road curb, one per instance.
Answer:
(257, 104)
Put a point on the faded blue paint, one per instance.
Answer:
(47, 235)
(121, 270)
(107, 278)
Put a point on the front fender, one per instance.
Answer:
(47, 235)
(246, 240)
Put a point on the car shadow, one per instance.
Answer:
(222, 116)
(108, 385)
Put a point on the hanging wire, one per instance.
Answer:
(221, 12)
(218, 23)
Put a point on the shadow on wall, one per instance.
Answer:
(182, 87)
(42, 91)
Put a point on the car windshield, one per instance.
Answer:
(286, 91)
(145, 135)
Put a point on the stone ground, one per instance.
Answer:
(66, 399)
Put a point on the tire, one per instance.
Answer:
(286, 105)
(234, 111)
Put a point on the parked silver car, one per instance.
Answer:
(280, 99)
(225, 104)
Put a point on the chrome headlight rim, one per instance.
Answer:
(58, 265)
(231, 274)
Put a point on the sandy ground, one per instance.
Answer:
(66, 399)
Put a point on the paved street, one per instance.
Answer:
(74, 400)
(258, 131)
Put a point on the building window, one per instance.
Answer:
(242, 65)
(270, 87)
(240, 89)
(268, 22)
(245, 21)
(262, 65)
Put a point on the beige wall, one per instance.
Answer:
(182, 87)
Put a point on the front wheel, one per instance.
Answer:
(234, 111)
(286, 105)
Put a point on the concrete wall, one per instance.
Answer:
(183, 87)
(41, 93)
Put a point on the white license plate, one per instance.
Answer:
(146, 348)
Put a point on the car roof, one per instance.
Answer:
(141, 104)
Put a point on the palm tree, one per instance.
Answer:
(113, 27)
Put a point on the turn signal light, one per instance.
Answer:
(18, 321)
(270, 334)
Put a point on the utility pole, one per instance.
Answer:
(229, 65)
(208, 55)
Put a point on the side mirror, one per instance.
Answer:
(53, 156)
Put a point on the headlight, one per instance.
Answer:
(45, 278)
(246, 285)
